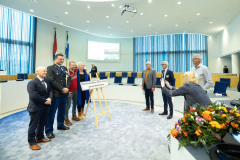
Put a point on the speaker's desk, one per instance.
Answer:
(13, 96)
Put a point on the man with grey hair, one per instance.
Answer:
(203, 72)
(167, 75)
(148, 85)
(40, 99)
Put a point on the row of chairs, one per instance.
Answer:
(113, 75)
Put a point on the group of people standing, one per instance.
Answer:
(55, 87)
(194, 89)
(53, 90)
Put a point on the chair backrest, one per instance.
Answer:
(22, 76)
(158, 81)
(220, 87)
(118, 80)
(102, 74)
(134, 74)
(124, 74)
(104, 77)
(131, 80)
(227, 80)
(112, 74)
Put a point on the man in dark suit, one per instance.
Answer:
(40, 97)
(60, 83)
(93, 70)
(167, 75)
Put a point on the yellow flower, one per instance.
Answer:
(215, 124)
(238, 114)
(207, 112)
(224, 109)
(224, 115)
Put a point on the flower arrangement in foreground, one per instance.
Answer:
(205, 126)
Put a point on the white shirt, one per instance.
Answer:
(204, 76)
(42, 81)
(165, 71)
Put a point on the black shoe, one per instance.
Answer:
(163, 113)
(64, 128)
(170, 117)
(50, 136)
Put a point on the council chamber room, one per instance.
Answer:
(119, 79)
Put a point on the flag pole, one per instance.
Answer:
(54, 37)
(65, 54)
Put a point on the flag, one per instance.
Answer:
(67, 48)
(54, 46)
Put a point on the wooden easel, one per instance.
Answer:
(92, 94)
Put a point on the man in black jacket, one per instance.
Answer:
(40, 97)
(60, 83)
(93, 70)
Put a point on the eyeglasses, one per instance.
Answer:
(194, 58)
(163, 64)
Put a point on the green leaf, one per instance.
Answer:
(228, 119)
(179, 146)
(169, 149)
(199, 123)
(230, 130)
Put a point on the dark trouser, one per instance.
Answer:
(167, 101)
(93, 74)
(83, 98)
(69, 101)
(36, 126)
(60, 104)
(148, 94)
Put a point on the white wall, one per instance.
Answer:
(212, 54)
(228, 40)
(78, 44)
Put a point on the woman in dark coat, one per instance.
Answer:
(193, 93)
(82, 96)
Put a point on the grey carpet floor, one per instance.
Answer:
(132, 134)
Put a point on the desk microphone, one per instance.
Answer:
(3, 80)
(19, 78)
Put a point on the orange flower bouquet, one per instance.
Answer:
(199, 127)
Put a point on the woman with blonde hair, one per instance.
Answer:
(193, 93)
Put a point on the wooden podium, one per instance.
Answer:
(93, 99)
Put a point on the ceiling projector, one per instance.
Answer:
(129, 9)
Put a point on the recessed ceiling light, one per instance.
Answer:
(165, 15)
(109, 27)
(131, 30)
(60, 23)
(176, 25)
(86, 30)
(107, 16)
(66, 12)
(198, 14)
(88, 7)
(110, 34)
(156, 32)
(88, 21)
(210, 22)
(179, 2)
(32, 10)
(68, 3)
(141, 13)
(120, 6)
(127, 21)
(150, 25)
(149, 1)
(113, 5)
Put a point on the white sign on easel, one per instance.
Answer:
(93, 84)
